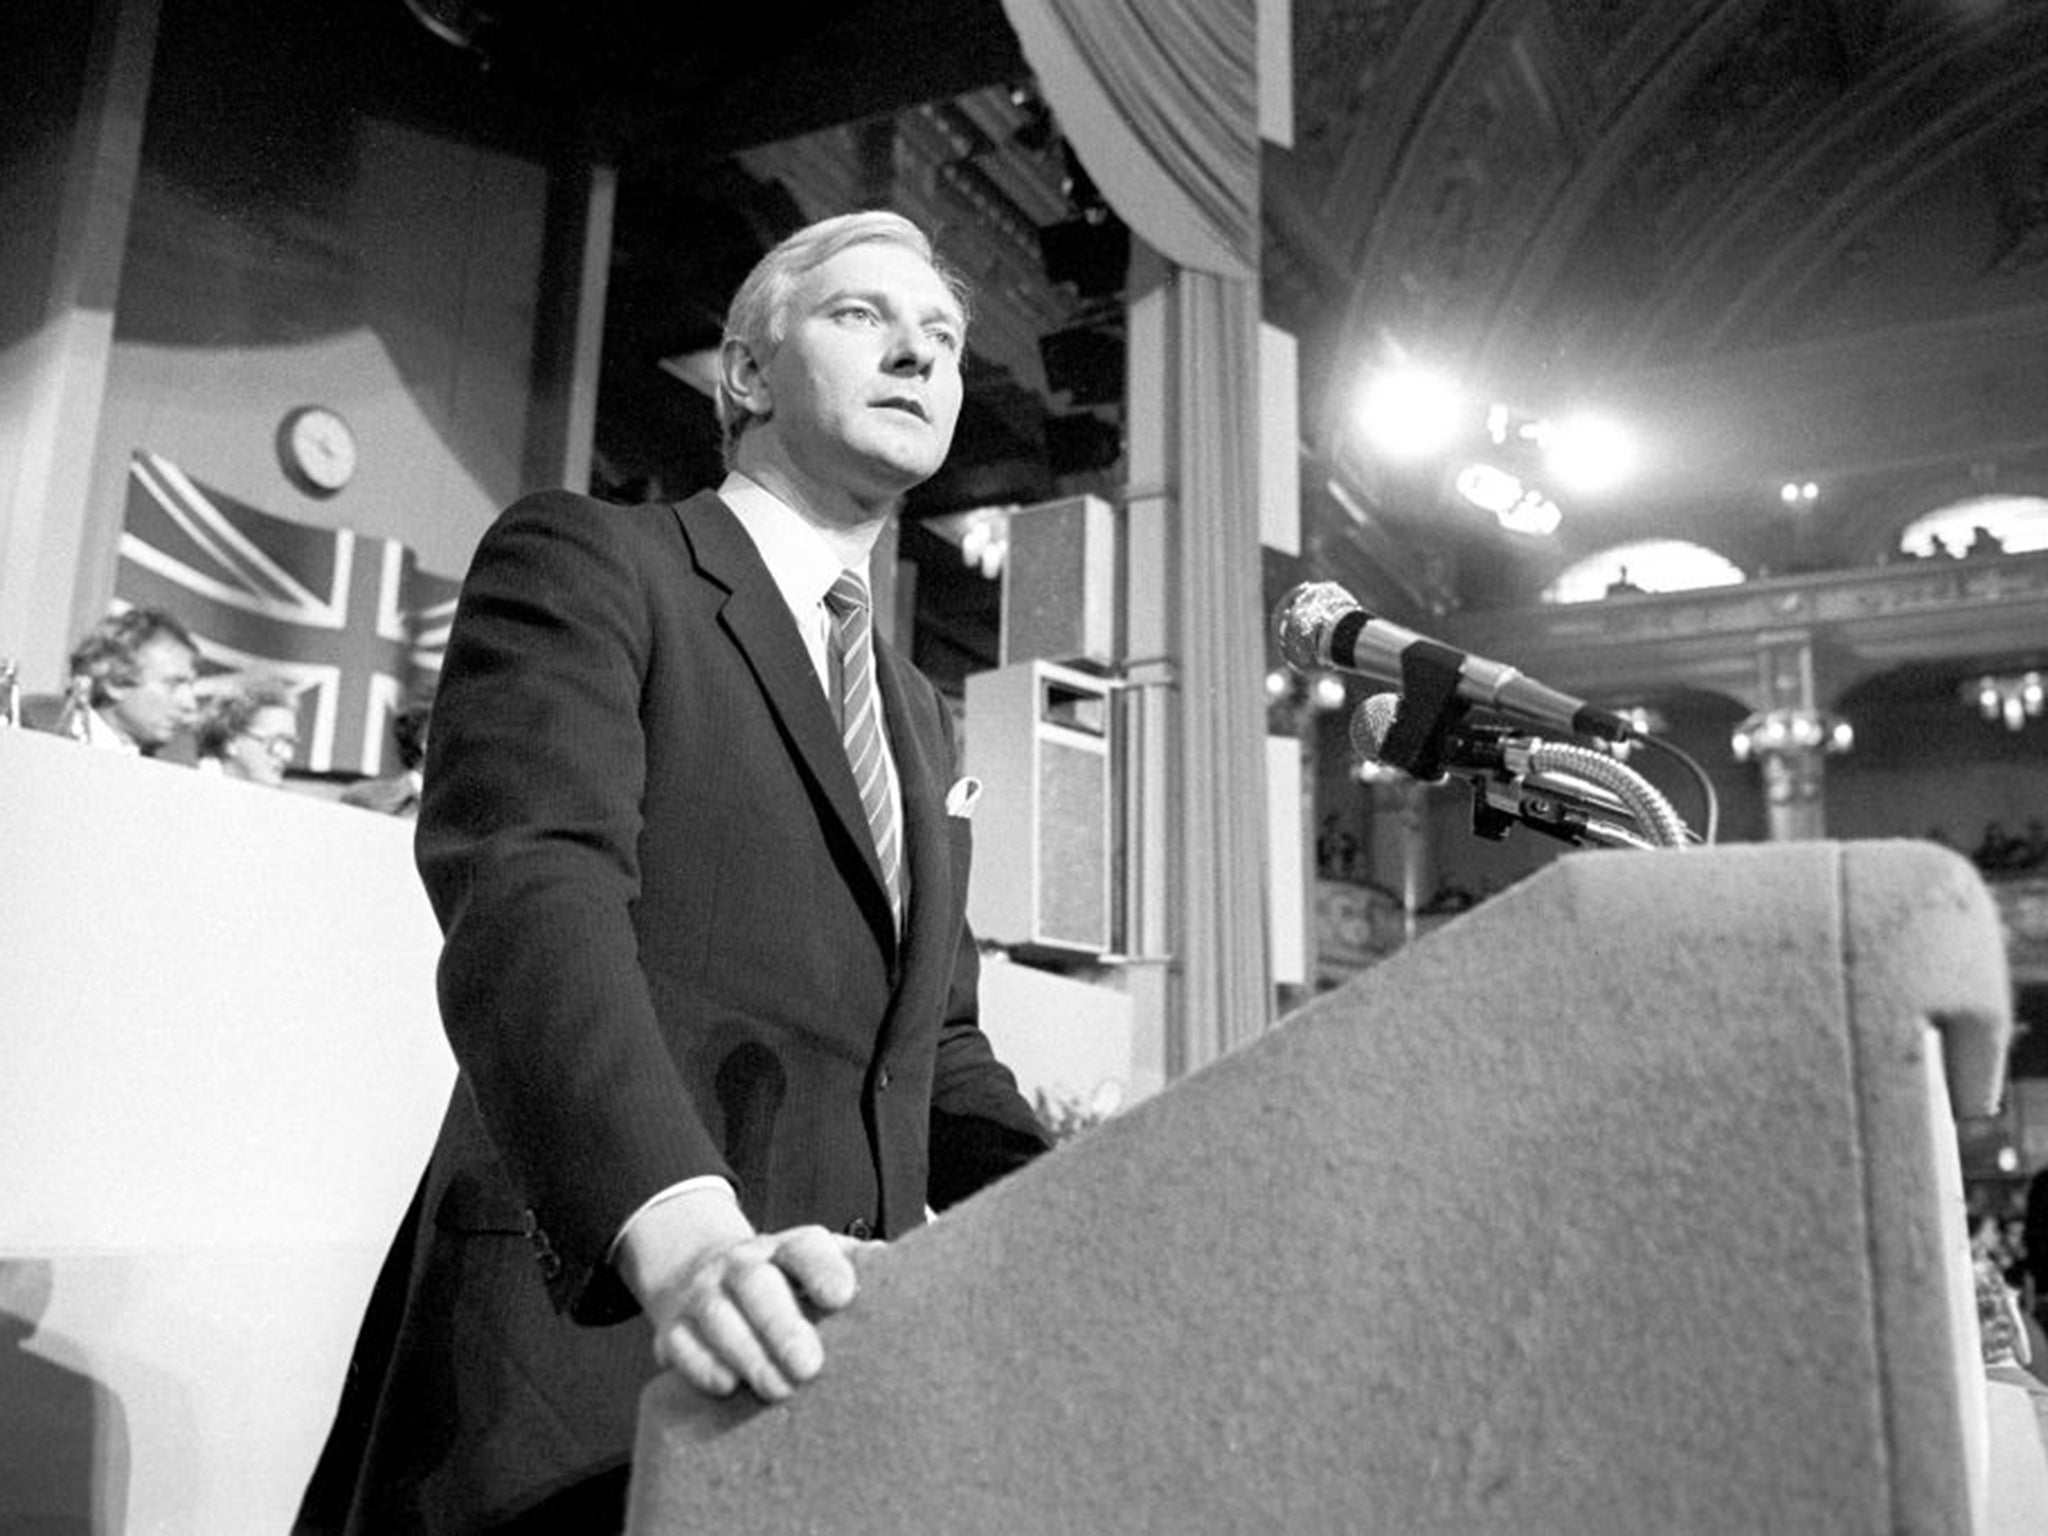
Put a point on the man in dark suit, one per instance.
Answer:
(708, 981)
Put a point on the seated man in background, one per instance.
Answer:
(250, 733)
(133, 681)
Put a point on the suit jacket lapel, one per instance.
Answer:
(754, 614)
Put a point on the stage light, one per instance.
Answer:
(1516, 507)
(1305, 696)
(1489, 488)
(984, 546)
(1410, 413)
(982, 534)
(2013, 699)
(1789, 732)
(1535, 514)
(1586, 453)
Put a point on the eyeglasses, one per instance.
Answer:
(283, 748)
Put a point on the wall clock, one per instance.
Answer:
(317, 449)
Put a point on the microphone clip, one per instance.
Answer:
(1431, 711)
(1501, 804)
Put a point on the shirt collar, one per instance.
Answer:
(802, 564)
(103, 733)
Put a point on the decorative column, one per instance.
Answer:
(1194, 632)
(77, 177)
(1791, 738)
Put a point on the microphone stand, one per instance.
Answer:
(1575, 793)
(1563, 771)
(1501, 801)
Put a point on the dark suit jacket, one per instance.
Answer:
(668, 952)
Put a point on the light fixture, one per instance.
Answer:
(1326, 692)
(1790, 732)
(983, 534)
(1297, 697)
(1489, 488)
(1586, 453)
(1410, 412)
(2014, 698)
(1534, 514)
(1516, 507)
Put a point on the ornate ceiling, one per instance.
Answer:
(1779, 239)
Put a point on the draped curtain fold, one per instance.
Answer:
(1159, 100)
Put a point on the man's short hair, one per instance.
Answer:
(107, 653)
(231, 712)
(759, 316)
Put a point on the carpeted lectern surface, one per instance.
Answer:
(1608, 1209)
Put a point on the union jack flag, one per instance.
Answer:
(349, 622)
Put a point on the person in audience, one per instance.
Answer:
(714, 1012)
(250, 733)
(397, 794)
(134, 683)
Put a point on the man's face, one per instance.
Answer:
(864, 390)
(160, 702)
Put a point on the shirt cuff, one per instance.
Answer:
(702, 1182)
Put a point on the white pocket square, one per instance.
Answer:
(962, 797)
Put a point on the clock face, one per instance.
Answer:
(319, 449)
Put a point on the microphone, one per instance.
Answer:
(1320, 625)
(1479, 749)
(1474, 751)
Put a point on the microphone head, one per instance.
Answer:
(1303, 619)
(1370, 724)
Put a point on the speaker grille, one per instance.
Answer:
(1073, 896)
(1059, 583)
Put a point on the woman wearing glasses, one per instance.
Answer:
(250, 733)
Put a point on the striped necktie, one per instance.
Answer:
(860, 718)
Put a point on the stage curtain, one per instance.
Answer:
(1159, 99)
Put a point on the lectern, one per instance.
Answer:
(1627, 1202)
